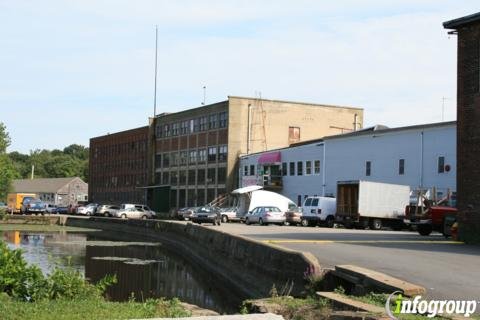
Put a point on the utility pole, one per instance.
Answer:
(204, 95)
(156, 58)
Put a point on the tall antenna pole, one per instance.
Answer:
(204, 94)
(155, 89)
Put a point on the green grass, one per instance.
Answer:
(92, 308)
(41, 228)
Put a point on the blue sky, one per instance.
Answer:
(72, 70)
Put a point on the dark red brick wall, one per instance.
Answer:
(468, 132)
(118, 165)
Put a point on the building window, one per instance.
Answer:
(245, 171)
(368, 168)
(184, 127)
(182, 177)
(222, 175)
(158, 161)
(211, 176)
(222, 122)
(193, 157)
(158, 131)
(212, 121)
(174, 178)
(166, 178)
(284, 168)
(175, 128)
(293, 134)
(212, 154)
(166, 160)
(203, 123)
(191, 177)
(308, 167)
(174, 158)
(183, 158)
(201, 176)
(166, 130)
(441, 164)
(316, 167)
(196, 125)
(222, 153)
(401, 166)
(299, 168)
(252, 169)
(202, 155)
(292, 168)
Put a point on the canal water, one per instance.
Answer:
(144, 270)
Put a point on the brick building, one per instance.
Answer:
(118, 167)
(468, 117)
(195, 152)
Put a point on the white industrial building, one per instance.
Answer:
(421, 156)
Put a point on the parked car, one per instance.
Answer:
(138, 206)
(266, 215)
(185, 213)
(133, 213)
(294, 217)
(31, 205)
(319, 211)
(206, 215)
(229, 214)
(51, 208)
(62, 210)
(106, 210)
(87, 210)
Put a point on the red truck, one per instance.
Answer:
(430, 218)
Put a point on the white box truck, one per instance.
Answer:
(371, 204)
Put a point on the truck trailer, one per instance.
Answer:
(370, 204)
(15, 199)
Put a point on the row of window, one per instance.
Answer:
(298, 168)
(184, 157)
(121, 148)
(207, 176)
(309, 167)
(204, 123)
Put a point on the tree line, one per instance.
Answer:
(72, 161)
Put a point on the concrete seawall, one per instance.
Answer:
(249, 267)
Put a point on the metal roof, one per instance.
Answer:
(44, 185)
(460, 22)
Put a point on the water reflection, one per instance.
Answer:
(150, 271)
(144, 269)
(49, 250)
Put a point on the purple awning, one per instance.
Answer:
(272, 157)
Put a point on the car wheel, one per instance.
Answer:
(260, 222)
(224, 219)
(376, 224)
(218, 222)
(123, 216)
(144, 217)
(424, 229)
(106, 214)
(304, 222)
(330, 221)
(247, 222)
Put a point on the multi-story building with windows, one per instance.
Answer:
(118, 167)
(195, 152)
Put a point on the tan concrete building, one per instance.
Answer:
(195, 152)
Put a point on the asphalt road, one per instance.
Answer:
(448, 269)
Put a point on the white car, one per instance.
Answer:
(265, 215)
(133, 213)
(51, 208)
(88, 210)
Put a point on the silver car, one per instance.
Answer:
(106, 210)
(265, 215)
(133, 213)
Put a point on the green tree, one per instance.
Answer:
(7, 169)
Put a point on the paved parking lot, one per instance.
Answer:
(448, 269)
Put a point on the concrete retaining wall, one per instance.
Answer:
(249, 267)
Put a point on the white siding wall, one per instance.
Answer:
(346, 157)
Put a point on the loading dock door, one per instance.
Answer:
(158, 198)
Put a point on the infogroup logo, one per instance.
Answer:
(430, 308)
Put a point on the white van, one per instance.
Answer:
(319, 210)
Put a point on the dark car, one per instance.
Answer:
(61, 210)
(206, 215)
(31, 205)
